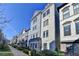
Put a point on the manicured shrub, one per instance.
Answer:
(19, 48)
(61, 53)
(44, 53)
(15, 46)
(33, 52)
(26, 51)
(47, 53)
(39, 54)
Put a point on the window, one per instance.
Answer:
(66, 12)
(45, 23)
(67, 30)
(33, 36)
(77, 28)
(45, 46)
(48, 11)
(46, 33)
(36, 34)
(76, 8)
(31, 45)
(44, 14)
(35, 45)
(34, 20)
(34, 28)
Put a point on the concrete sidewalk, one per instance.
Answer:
(17, 52)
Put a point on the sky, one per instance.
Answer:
(19, 14)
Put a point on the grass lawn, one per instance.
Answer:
(61, 53)
(4, 50)
(6, 54)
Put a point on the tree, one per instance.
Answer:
(2, 40)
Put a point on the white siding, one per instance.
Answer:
(37, 24)
(50, 27)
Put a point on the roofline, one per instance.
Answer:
(28, 29)
(47, 6)
(37, 14)
(61, 6)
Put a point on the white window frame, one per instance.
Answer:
(65, 12)
(67, 25)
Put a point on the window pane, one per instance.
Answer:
(66, 9)
(48, 11)
(44, 34)
(35, 27)
(36, 34)
(34, 20)
(47, 33)
(45, 46)
(66, 12)
(45, 23)
(66, 15)
(44, 14)
(35, 45)
(33, 36)
(77, 28)
(67, 30)
(76, 8)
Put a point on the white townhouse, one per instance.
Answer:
(29, 37)
(23, 38)
(69, 25)
(14, 40)
(50, 27)
(18, 39)
(35, 31)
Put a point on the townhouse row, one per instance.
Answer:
(53, 27)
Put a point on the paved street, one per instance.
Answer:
(17, 52)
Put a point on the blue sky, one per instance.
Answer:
(20, 15)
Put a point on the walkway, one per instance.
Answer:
(17, 52)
